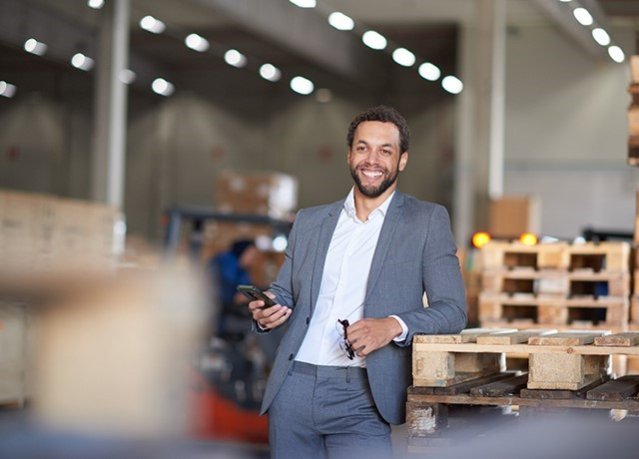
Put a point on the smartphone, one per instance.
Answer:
(255, 293)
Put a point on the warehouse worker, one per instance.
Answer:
(351, 290)
(231, 268)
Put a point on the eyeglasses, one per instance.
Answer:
(344, 344)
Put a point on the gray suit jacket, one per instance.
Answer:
(415, 254)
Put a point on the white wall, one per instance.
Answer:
(566, 131)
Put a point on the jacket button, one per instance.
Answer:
(308, 320)
(290, 357)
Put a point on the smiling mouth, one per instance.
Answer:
(371, 174)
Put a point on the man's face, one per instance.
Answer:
(375, 159)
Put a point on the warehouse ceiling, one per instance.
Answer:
(298, 41)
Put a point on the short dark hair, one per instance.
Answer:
(384, 114)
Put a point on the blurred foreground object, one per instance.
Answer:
(113, 358)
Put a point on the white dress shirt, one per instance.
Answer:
(343, 287)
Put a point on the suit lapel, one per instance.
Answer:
(326, 231)
(391, 221)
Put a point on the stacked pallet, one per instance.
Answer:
(633, 113)
(41, 234)
(559, 285)
(566, 370)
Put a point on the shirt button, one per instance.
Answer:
(290, 357)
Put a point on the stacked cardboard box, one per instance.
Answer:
(633, 113)
(271, 194)
(42, 234)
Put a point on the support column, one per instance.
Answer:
(480, 138)
(111, 105)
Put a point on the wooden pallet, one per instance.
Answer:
(555, 282)
(605, 256)
(566, 360)
(427, 407)
(553, 310)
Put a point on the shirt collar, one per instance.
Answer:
(349, 205)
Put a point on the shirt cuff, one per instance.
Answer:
(404, 334)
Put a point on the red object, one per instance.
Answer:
(217, 418)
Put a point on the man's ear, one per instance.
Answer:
(403, 159)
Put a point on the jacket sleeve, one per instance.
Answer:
(442, 282)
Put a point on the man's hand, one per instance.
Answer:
(271, 317)
(368, 335)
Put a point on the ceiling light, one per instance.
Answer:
(616, 54)
(95, 4)
(452, 84)
(374, 40)
(150, 24)
(303, 3)
(82, 62)
(196, 42)
(270, 72)
(340, 21)
(403, 57)
(564, 1)
(33, 46)
(302, 85)
(235, 58)
(7, 89)
(429, 71)
(127, 76)
(582, 16)
(601, 36)
(162, 87)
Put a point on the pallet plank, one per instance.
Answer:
(618, 390)
(566, 338)
(618, 339)
(516, 337)
(562, 394)
(500, 388)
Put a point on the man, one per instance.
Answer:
(351, 290)
(230, 269)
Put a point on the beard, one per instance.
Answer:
(374, 191)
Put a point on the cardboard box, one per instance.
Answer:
(511, 216)
(634, 68)
(271, 194)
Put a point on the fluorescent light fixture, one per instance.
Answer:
(7, 89)
(235, 58)
(302, 85)
(340, 21)
(429, 71)
(162, 87)
(82, 62)
(616, 54)
(196, 42)
(452, 84)
(601, 36)
(403, 57)
(304, 3)
(582, 16)
(150, 24)
(95, 4)
(34, 46)
(565, 1)
(374, 40)
(127, 76)
(270, 72)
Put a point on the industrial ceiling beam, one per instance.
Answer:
(305, 32)
(561, 14)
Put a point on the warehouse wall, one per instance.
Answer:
(178, 146)
(566, 131)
